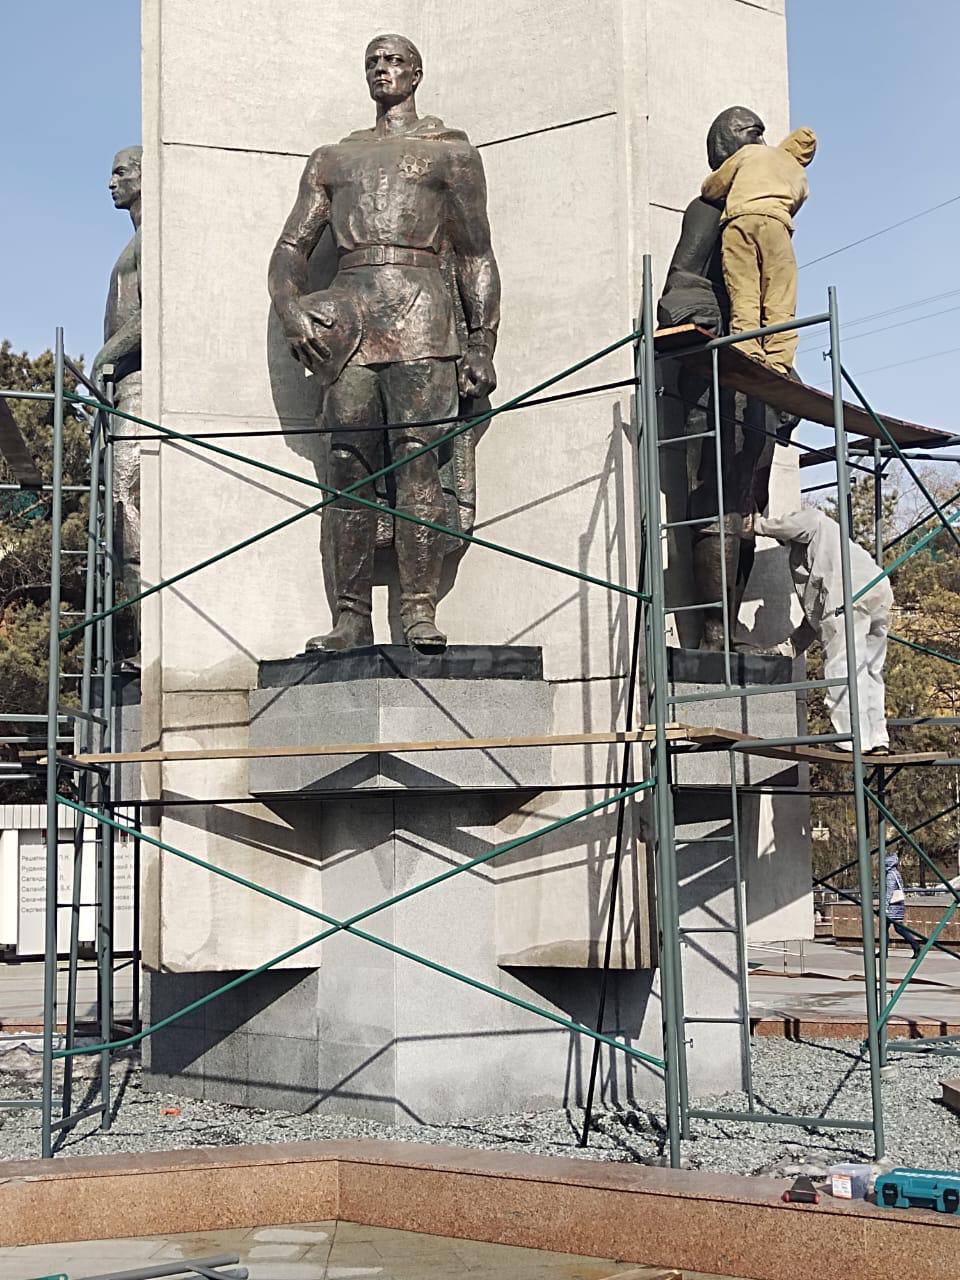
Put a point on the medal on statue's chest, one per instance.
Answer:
(412, 166)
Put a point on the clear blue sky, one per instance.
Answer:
(70, 98)
(876, 79)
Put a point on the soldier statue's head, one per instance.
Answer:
(733, 128)
(125, 177)
(393, 68)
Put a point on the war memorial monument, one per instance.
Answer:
(351, 242)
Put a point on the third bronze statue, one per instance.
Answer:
(695, 294)
(383, 341)
(121, 354)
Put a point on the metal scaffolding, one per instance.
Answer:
(85, 781)
(92, 723)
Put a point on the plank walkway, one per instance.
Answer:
(695, 737)
(739, 372)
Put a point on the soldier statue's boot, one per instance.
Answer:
(130, 619)
(758, 650)
(419, 562)
(352, 630)
(710, 573)
(350, 540)
(712, 632)
(421, 633)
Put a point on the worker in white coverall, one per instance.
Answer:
(814, 542)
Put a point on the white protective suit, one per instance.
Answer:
(814, 541)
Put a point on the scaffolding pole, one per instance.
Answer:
(100, 608)
(53, 692)
(85, 731)
(845, 520)
(656, 676)
(882, 924)
(106, 846)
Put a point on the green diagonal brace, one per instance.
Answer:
(944, 921)
(904, 461)
(380, 507)
(359, 484)
(901, 559)
(947, 502)
(924, 822)
(918, 960)
(348, 925)
(882, 808)
(923, 648)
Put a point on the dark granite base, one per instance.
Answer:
(126, 690)
(706, 666)
(398, 662)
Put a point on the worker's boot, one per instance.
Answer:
(786, 421)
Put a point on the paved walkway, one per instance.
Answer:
(323, 1251)
(813, 979)
(820, 979)
(21, 991)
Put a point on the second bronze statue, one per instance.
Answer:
(383, 340)
(695, 293)
(120, 354)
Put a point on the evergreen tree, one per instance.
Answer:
(25, 548)
(927, 612)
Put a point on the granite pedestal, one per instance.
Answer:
(386, 693)
(370, 1032)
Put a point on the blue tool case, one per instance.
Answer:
(919, 1189)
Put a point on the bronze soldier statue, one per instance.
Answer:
(121, 350)
(383, 340)
(694, 293)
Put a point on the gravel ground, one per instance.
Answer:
(803, 1078)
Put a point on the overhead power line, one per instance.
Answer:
(885, 328)
(899, 324)
(932, 355)
(903, 306)
(898, 364)
(882, 232)
(887, 311)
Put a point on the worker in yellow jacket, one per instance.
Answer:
(762, 188)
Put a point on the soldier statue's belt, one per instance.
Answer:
(389, 255)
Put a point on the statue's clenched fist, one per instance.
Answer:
(476, 374)
(304, 322)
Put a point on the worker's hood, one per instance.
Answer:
(801, 144)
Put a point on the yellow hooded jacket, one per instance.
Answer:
(764, 180)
